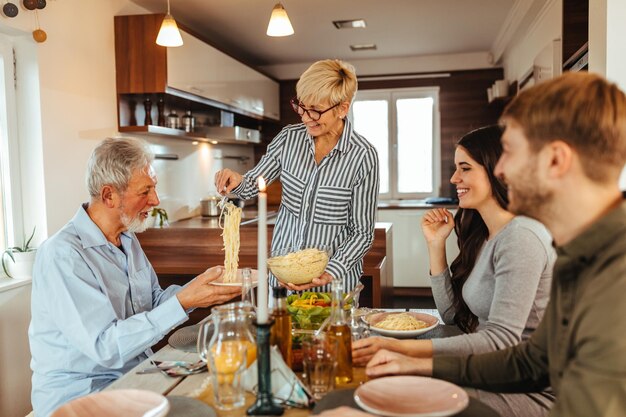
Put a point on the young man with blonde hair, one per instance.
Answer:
(564, 148)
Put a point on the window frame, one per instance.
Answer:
(392, 95)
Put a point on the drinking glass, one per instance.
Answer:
(319, 358)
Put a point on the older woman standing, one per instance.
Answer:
(329, 175)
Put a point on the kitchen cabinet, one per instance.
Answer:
(200, 69)
(410, 254)
(152, 81)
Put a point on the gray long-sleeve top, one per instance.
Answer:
(508, 289)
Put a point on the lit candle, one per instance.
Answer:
(262, 305)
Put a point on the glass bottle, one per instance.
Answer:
(281, 331)
(247, 289)
(189, 121)
(173, 121)
(339, 330)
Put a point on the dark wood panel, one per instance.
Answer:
(575, 26)
(140, 63)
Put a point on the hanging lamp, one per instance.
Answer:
(169, 35)
(279, 22)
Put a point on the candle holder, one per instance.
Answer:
(265, 404)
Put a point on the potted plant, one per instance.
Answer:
(160, 216)
(20, 259)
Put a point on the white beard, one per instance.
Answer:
(137, 225)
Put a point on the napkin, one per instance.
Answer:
(286, 386)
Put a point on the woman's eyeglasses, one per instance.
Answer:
(314, 115)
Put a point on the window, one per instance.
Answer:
(403, 126)
(8, 142)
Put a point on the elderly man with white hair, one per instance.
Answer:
(97, 306)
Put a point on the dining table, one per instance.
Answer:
(196, 387)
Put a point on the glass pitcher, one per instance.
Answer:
(227, 345)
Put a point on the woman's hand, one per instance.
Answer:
(385, 362)
(437, 224)
(364, 349)
(226, 180)
(323, 279)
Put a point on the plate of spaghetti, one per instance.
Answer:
(401, 325)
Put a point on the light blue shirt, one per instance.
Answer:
(96, 310)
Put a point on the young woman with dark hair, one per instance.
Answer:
(498, 286)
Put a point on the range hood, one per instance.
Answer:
(236, 133)
(214, 134)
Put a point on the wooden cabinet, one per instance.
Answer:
(195, 76)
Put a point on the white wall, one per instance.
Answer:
(14, 352)
(520, 53)
(76, 72)
(405, 65)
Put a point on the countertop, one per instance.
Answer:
(411, 204)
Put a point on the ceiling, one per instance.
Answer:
(399, 28)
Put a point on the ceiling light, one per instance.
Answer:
(349, 24)
(364, 47)
(279, 22)
(169, 35)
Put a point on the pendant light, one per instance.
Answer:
(279, 22)
(169, 35)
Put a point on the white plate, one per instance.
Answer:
(374, 318)
(411, 396)
(237, 283)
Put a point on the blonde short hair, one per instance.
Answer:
(582, 109)
(329, 80)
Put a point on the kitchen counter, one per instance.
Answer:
(411, 204)
(187, 248)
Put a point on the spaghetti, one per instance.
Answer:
(231, 216)
(402, 321)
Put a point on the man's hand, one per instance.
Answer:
(323, 279)
(200, 293)
(226, 180)
(385, 362)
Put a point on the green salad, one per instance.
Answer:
(310, 309)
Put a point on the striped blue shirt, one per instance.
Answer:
(331, 204)
(96, 310)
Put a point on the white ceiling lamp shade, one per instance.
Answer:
(169, 35)
(279, 22)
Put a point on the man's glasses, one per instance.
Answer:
(314, 115)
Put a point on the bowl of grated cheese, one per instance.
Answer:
(298, 266)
